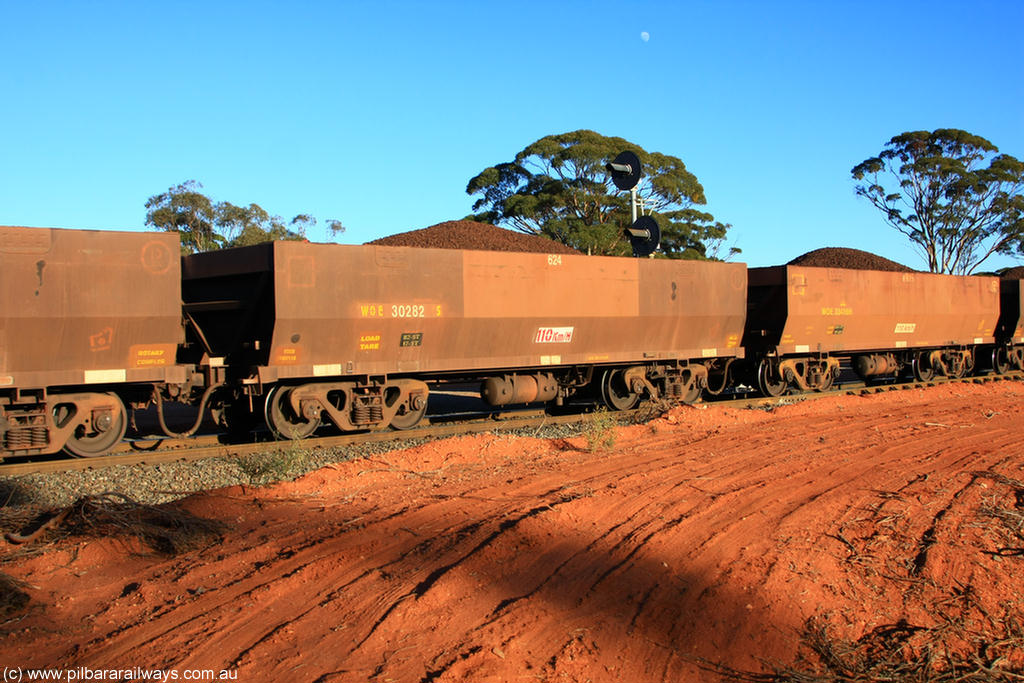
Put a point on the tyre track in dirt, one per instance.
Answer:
(704, 535)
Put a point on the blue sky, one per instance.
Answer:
(378, 114)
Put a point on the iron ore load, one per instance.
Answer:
(294, 337)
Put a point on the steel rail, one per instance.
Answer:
(208, 446)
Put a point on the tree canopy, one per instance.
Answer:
(204, 224)
(558, 187)
(952, 193)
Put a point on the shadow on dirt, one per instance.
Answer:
(474, 585)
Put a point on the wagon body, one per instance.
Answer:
(86, 307)
(795, 309)
(293, 309)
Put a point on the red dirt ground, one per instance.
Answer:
(707, 535)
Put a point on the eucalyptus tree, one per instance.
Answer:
(559, 187)
(190, 213)
(951, 193)
(204, 224)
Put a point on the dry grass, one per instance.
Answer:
(1010, 520)
(14, 520)
(278, 465)
(903, 653)
(13, 599)
(895, 653)
(599, 431)
(652, 409)
(957, 641)
(164, 529)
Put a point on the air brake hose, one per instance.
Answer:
(199, 419)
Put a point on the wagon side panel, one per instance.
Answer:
(841, 310)
(343, 310)
(87, 307)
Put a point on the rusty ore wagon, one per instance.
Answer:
(88, 320)
(802, 321)
(352, 335)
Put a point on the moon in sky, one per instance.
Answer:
(645, 36)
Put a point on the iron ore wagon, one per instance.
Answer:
(354, 335)
(803, 320)
(89, 321)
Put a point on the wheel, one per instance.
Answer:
(97, 439)
(1000, 360)
(923, 371)
(692, 395)
(957, 368)
(412, 416)
(826, 381)
(282, 420)
(768, 380)
(614, 392)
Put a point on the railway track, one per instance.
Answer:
(164, 450)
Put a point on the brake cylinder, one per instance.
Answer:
(875, 364)
(509, 389)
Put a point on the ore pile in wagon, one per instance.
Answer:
(1016, 273)
(474, 235)
(845, 257)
